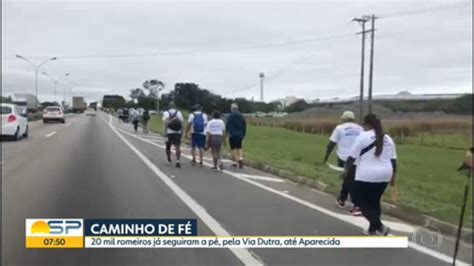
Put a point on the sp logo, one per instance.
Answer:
(59, 227)
(55, 226)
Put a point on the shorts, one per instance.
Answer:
(215, 140)
(198, 140)
(235, 143)
(173, 138)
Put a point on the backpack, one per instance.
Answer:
(198, 123)
(146, 115)
(174, 123)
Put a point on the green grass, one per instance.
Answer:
(427, 180)
(427, 177)
(459, 140)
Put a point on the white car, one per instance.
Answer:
(14, 121)
(90, 112)
(53, 113)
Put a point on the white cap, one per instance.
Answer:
(347, 115)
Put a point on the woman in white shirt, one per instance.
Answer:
(376, 167)
(215, 138)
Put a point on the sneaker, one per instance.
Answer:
(384, 231)
(193, 162)
(168, 161)
(234, 165)
(178, 165)
(214, 168)
(340, 203)
(241, 164)
(356, 211)
(201, 164)
(366, 232)
(221, 167)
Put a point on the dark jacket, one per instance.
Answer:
(235, 125)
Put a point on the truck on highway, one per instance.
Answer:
(78, 104)
(93, 105)
(26, 100)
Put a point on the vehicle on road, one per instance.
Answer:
(93, 105)
(53, 113)
(78, 104)
(90, 112)
(14, 121)
(26, 100)
(123, 114)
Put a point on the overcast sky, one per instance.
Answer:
(111, 47)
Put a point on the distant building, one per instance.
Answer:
(288, 100)
(402, 95)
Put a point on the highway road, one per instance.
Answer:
(94, 167)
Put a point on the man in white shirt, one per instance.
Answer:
(376, 167)
(197, 124)
(344, 136)
(135, 118)
(215, 138)
(173, 123)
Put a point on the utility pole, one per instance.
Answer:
(262, 76)
(362, 22)
(371, 66)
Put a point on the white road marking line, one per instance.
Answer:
(51, 134)
(68, 124)
(242, 254)
(355, 221)
(264, 178)
(152, 137)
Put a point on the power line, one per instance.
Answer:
(170, 53)
(424, 10)
(277, 73)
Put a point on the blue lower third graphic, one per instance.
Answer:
(140, 227)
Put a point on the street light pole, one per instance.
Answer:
(262, 76)
(56, 81)
(36, 67)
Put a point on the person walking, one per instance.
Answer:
(135, 119)
(215, 138)
(173, 123)
(344, 136)
(236, 128)
(197, 124)
(145, 119)
(376, 167)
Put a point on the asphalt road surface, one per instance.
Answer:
(95, 167)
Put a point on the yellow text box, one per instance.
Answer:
(54, 242)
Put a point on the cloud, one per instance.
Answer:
(204, 42)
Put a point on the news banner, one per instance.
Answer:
(175, 233)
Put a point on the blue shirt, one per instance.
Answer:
(235, 125)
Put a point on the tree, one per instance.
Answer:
(113, 101)
(298, 106)
(461, 105)
(4, 99)
(153, 86)
(137, 93)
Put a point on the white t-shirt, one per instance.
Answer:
(166, 116)
(371, 168)
(216, 127)
(191, 119)
(344, 135)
